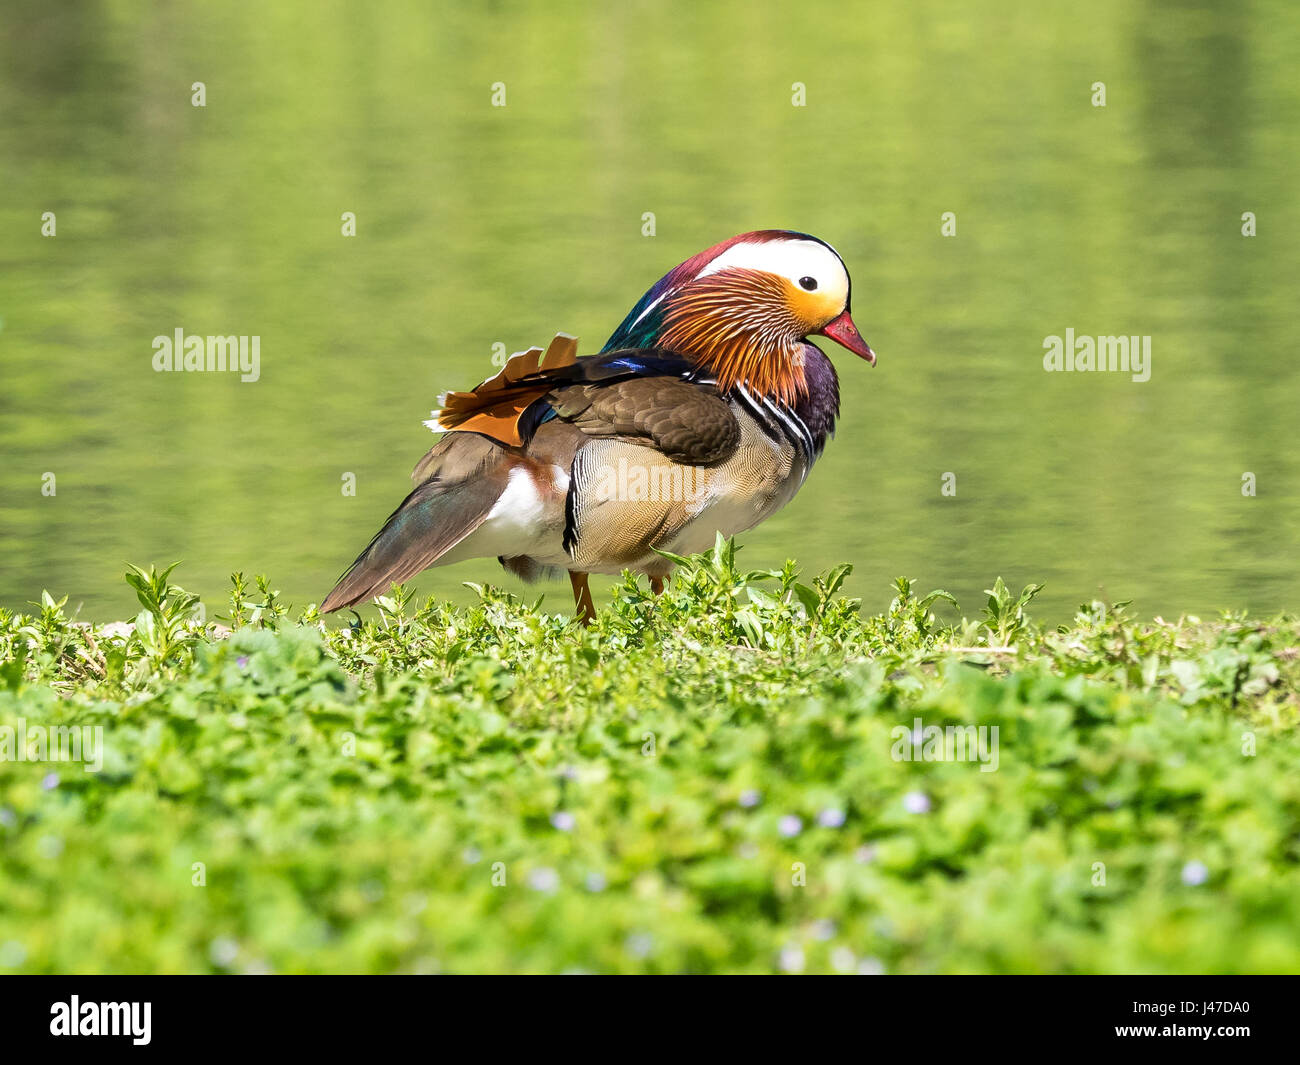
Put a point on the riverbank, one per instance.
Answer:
(749, 774)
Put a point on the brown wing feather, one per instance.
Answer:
(463, 477)
(687, 423)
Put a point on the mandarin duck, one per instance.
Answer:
(703, 413)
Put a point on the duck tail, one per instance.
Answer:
(465, 476)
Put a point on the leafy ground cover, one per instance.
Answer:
(731, 778)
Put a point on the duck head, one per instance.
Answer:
(744, 308)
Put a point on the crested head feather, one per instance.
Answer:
(742, 308)
(643, 320)
(741, 324)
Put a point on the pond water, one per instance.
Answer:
(481, 225)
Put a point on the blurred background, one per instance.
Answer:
(478, 225)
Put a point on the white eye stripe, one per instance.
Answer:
(793, 259)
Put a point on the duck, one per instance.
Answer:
(702, 414)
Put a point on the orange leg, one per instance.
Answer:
(582, 597)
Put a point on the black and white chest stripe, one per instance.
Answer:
(777, 418)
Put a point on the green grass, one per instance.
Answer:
(705, 782)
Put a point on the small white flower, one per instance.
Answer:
(916, 802)
(790, 825)
(639, 945)
(1195, 874)
(871, 967)
(223, 951)
(563, 820)
(12, 954)
(544, 879)
(750, 798)
(831, 817)
(792, 960)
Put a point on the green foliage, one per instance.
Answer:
(706, 781)
(162, 629)
(1005, 618)
(266, 614)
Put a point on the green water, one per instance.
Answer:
(479, 224)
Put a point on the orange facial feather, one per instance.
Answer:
(747, 326)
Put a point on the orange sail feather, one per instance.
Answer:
(494, 407)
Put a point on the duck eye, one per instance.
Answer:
(808, 284)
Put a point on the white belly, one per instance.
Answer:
(524, 521)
